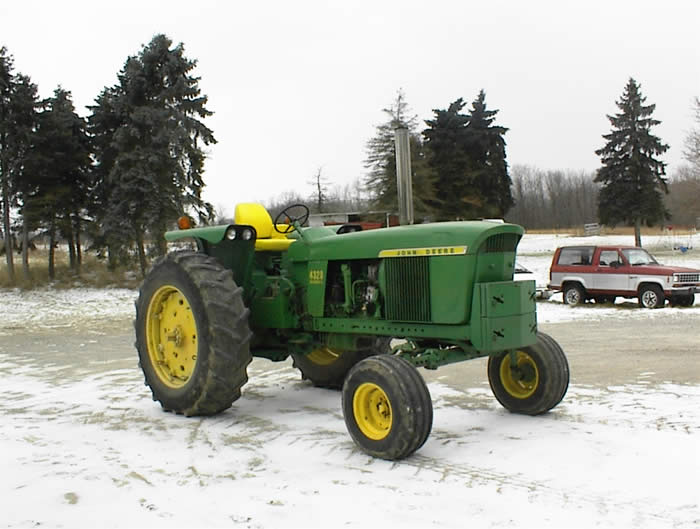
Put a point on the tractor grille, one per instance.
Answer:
(688, 278)
(408, 289)
(502, 242)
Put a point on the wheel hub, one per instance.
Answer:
(519, 375)
(372, 411)
(171, 335)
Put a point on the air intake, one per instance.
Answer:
(408, 289)
(502, 242)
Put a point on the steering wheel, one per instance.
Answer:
(293, 220)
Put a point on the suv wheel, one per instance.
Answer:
(573, 294)
(651, 297)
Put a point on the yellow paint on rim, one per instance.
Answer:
(323, 356)
(372, 411)
(171, 336)
(523, 383)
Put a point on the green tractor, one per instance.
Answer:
(335, 300)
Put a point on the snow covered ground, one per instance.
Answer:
(94, 451)
(83, 445)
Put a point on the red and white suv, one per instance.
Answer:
(602, 273)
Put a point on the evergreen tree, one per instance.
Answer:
(632, 177)
(381, 162)
(57, 188)
(17, 114)
(25, 104)
(109, 233)
(467, 153)
(149, 147)
(486, 149)
(445, 139)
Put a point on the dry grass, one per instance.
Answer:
(93, 273)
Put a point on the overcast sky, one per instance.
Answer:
(299, 85)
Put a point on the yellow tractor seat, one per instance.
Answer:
(269, 239)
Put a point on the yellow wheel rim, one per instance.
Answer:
(323, 356)
(522, 381)
(171, 336)
(372, 411)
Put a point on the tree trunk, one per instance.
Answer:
(111, 257)
(79, 252)
(25, 250)
(6, 227)
(142, 253)
(70, 239)
(638, 232)
(161, 243)
(52, 251)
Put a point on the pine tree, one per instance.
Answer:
(445, 140)
(17, 114)
(467, 153)
(149, 147)
(632, 177)
(57, 187)
(381, 162)
(486, 148)
(26, 105)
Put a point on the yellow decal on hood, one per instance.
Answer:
(422, 252)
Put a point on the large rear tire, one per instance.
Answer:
(387, 407)
(326, 367)
(192, 334)
(536, 383)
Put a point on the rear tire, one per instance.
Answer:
(537, 383)
(192, 334)
(573, 294)
(601, 300)
(387, 407)
(651, 297)
(326, 367)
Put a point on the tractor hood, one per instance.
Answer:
(439, 238)
(212, 234)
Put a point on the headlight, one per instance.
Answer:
(231, 233)
(247, 234)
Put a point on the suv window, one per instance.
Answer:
(576, 256)
(637, 256)
(608, 257)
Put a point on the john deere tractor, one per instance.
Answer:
(356, 310)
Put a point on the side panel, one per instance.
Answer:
(317, 277)
(272, 306)
(504, 315)
(451, 282)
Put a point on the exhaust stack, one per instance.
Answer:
(404, 184)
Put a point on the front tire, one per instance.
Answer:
(683, 301)
(651, 297)
(536, 382)
(387, 407)
(192, 334)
